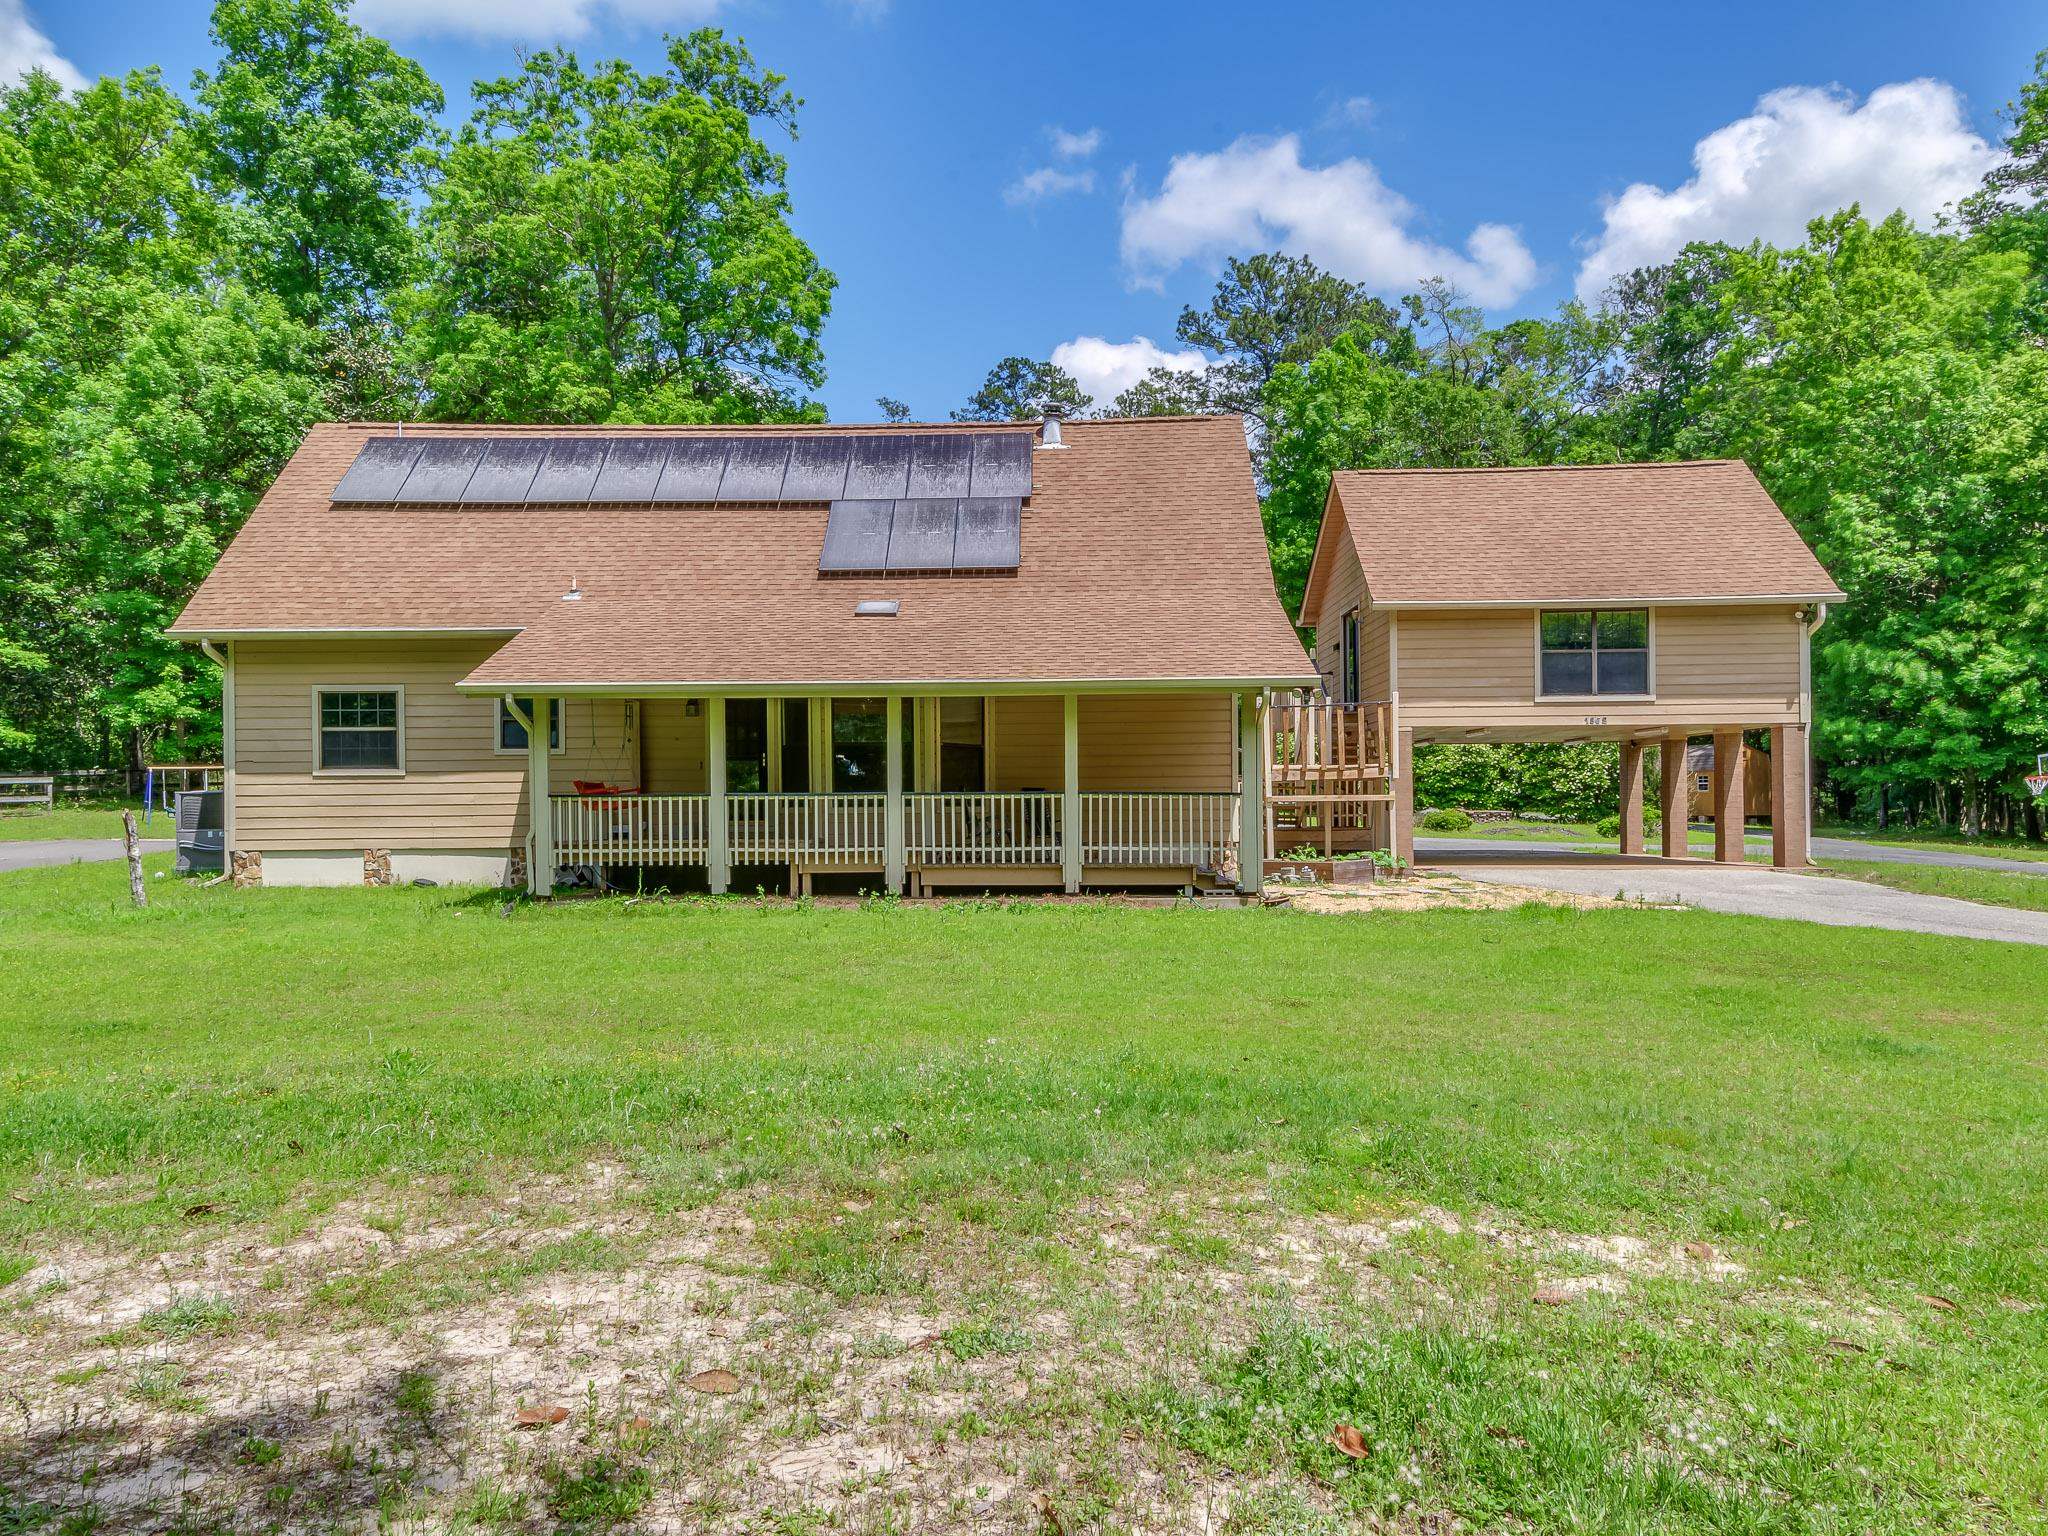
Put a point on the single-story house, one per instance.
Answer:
(910, 657)
(1636, 603)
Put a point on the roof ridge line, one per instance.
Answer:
(1523, 469)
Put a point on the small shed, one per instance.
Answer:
(1756, 782)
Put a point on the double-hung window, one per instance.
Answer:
(361, 730)
(1585, 653)
(512, 735)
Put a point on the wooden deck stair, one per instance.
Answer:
(1326, 768)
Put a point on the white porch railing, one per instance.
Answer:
(978, 829)
(631, 829)
(1153, 829)
(847, 830)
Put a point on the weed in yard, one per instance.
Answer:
(600, 1494)
(189, 1315)
(415, 1395)
(491, 1506)
(972, 1340)
(162, 1385)
(259, 1452)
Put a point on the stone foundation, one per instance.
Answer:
(515, 870)
(245, 868)
(376, 866)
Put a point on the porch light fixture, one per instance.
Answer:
(574, 594)
(876, 608)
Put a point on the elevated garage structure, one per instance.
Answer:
(1646, 604)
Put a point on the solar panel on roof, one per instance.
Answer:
(506, 471)
(443, 469)
(570, 469)
(879, 469)
(754, 468)
(1002, 464)
(856, 536)
(940, 465)
(632, 469)
(990, 536)
(921, 534)
(695, 466)
(817, 469)
(380, 468)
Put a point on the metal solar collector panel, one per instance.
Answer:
(507, 470)
(695, 466)
(921, 534)
(442, 471)
(754, 468)
(817, 469)
(880, 468)
(856, 536)
(380, 468)
(1002, 464)
(571, 469)
(940, 465)
(632, 469)
(990, 537)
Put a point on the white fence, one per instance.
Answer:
(823, 830)
(632, 829)
(977, 830)
(1155, 829)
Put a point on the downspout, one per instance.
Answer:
(1806, 634)
(225, 661)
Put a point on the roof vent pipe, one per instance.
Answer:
(1049, 434)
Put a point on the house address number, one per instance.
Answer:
(1596, 720)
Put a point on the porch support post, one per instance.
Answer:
(717, 854)
(1251, 787)
(540, 877)
(1729, 773)
(1631, 797)
(892, 804)
(1402, 810)
(1676, 784)
(1789, 797)
(1070, 801)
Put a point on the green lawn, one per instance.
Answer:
(936, 1104)
(90, 820)
(1997, 887)
(1906, 837)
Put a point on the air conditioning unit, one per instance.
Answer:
(201, 841)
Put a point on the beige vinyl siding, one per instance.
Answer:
(673, 747)
(1343, 590)
(1375, 655)
(455, 792)
(1477, 667)
(1170, 741)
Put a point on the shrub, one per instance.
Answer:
(1445, 821)
(1608, 825)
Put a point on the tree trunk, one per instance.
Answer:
(135, 891)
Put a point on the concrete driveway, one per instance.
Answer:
(72, 850)
(1823, 848)
(1743, 888)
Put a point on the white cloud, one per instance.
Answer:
(1257, 195)
(24, 47)
(1046, 181)
(1074, 146)
(1803, 153)
(1105, 369)
(536, 21)
(1354, 111)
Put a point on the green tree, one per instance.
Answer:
(607, 245)
(1017, 389)
(892, 409)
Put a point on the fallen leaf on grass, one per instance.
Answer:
(1941, 1304)
(1552, 1296)
(203, 1208)
(1043, 1504)
(639, 1424)
(1348, 1440)
(714, 1380)
(539, 1415)
(1508, 1436)
(1704, 1252)
(1847, 1347)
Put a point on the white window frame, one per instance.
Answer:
(557, 726)
(358, 773)
(1649, 658)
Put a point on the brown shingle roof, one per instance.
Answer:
(1698, 531)
(1144, 560)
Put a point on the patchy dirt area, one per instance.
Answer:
(575, 1356)
(1429, 892)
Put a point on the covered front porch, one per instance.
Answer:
(898, 792)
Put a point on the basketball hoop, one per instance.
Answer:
(2037, 784)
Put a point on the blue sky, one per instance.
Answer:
(987, 180)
